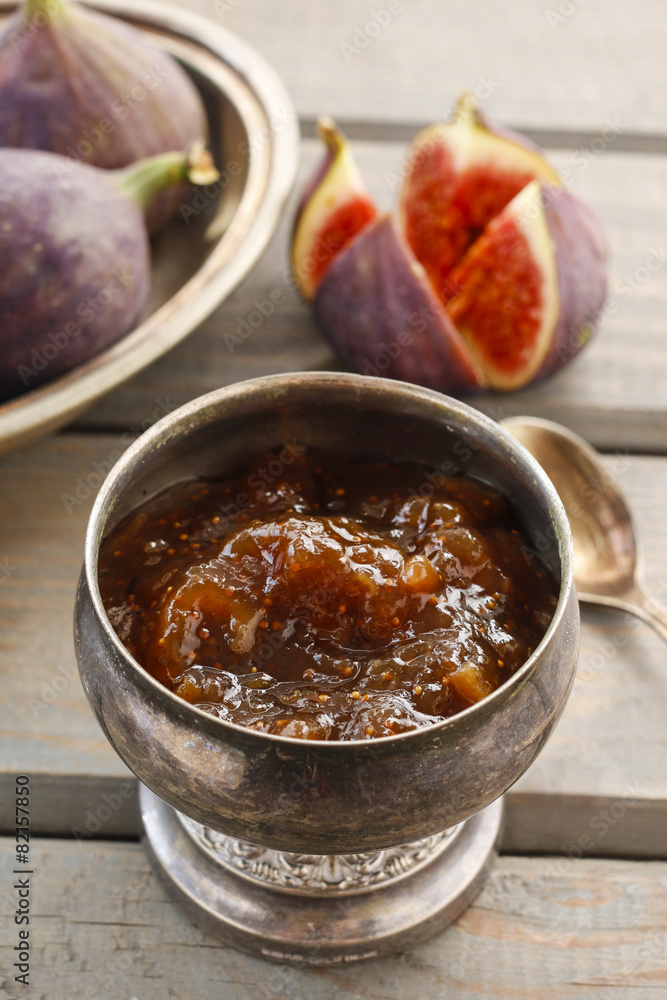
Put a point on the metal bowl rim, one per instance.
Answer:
(151, 439)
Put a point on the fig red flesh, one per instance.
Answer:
(460, 176)
(501, 298)
(534, 278)
(444, 220)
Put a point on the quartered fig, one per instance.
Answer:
(460, 175)
(497, 281)
(74, 256)
(89, 87)
(334, 208)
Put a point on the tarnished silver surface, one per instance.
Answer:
(321, 929)
(318, 874)
(359, 796)
(608, 564)
(254, 130)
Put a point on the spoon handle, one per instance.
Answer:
(652, 611)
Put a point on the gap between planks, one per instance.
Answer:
(547, 139)
(603, 449)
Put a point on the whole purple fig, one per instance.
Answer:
(74, 256)
(89, 87)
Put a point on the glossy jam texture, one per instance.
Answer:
(320, 598)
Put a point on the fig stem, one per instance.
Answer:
(143, 181)
(467, 107)
(330, 134)
(50, 9)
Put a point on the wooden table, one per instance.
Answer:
(577, 905)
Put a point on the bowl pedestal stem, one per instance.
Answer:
(311, 909)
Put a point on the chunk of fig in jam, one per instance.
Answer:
(321, 598)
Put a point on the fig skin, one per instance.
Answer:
(379, 312)
(74, 256)
(89, 87)
(581, 250)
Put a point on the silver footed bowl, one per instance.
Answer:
(325, 797)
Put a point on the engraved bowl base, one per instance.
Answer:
(319, 909)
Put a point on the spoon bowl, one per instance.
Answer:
(607, 559)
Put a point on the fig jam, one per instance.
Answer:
(321, 598)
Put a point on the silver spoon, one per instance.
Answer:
(607, 562)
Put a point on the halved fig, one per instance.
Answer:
(378, 310)
(527, 293)
(460, 176)
(334, 208)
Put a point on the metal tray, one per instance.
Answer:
(195, 266)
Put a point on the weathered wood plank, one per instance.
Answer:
(47, 728)
(102, 925)
(560, 65)
(608, 751)
(614, 394)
